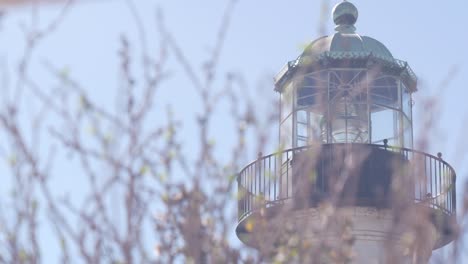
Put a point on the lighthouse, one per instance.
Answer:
(346, 185)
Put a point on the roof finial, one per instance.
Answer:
(345, 15)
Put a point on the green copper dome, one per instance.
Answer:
(345, 15)
(346, 48)
(346, 42)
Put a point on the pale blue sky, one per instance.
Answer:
(263, 36)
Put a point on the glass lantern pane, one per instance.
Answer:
(349, 122)
(347, 119)
(311, 89)
(287, 102)
(317, 122)
(397, 130)
(302, 116)
(407, 133)
(286, 132)
(305, 96)
(301, 142)
(383, 125)
(384, 91)
(406, 102)
(302, 130)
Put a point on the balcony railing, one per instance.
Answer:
(268, 181)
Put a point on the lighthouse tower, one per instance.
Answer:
(346, 185)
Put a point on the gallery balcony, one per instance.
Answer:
(376, 176)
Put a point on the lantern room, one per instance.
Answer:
(346, 88)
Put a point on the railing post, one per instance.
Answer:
(240, 199)
(259, 171)
(454, 194)
(441, 185)
(258, 179)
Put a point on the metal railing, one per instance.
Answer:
(268, 181)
